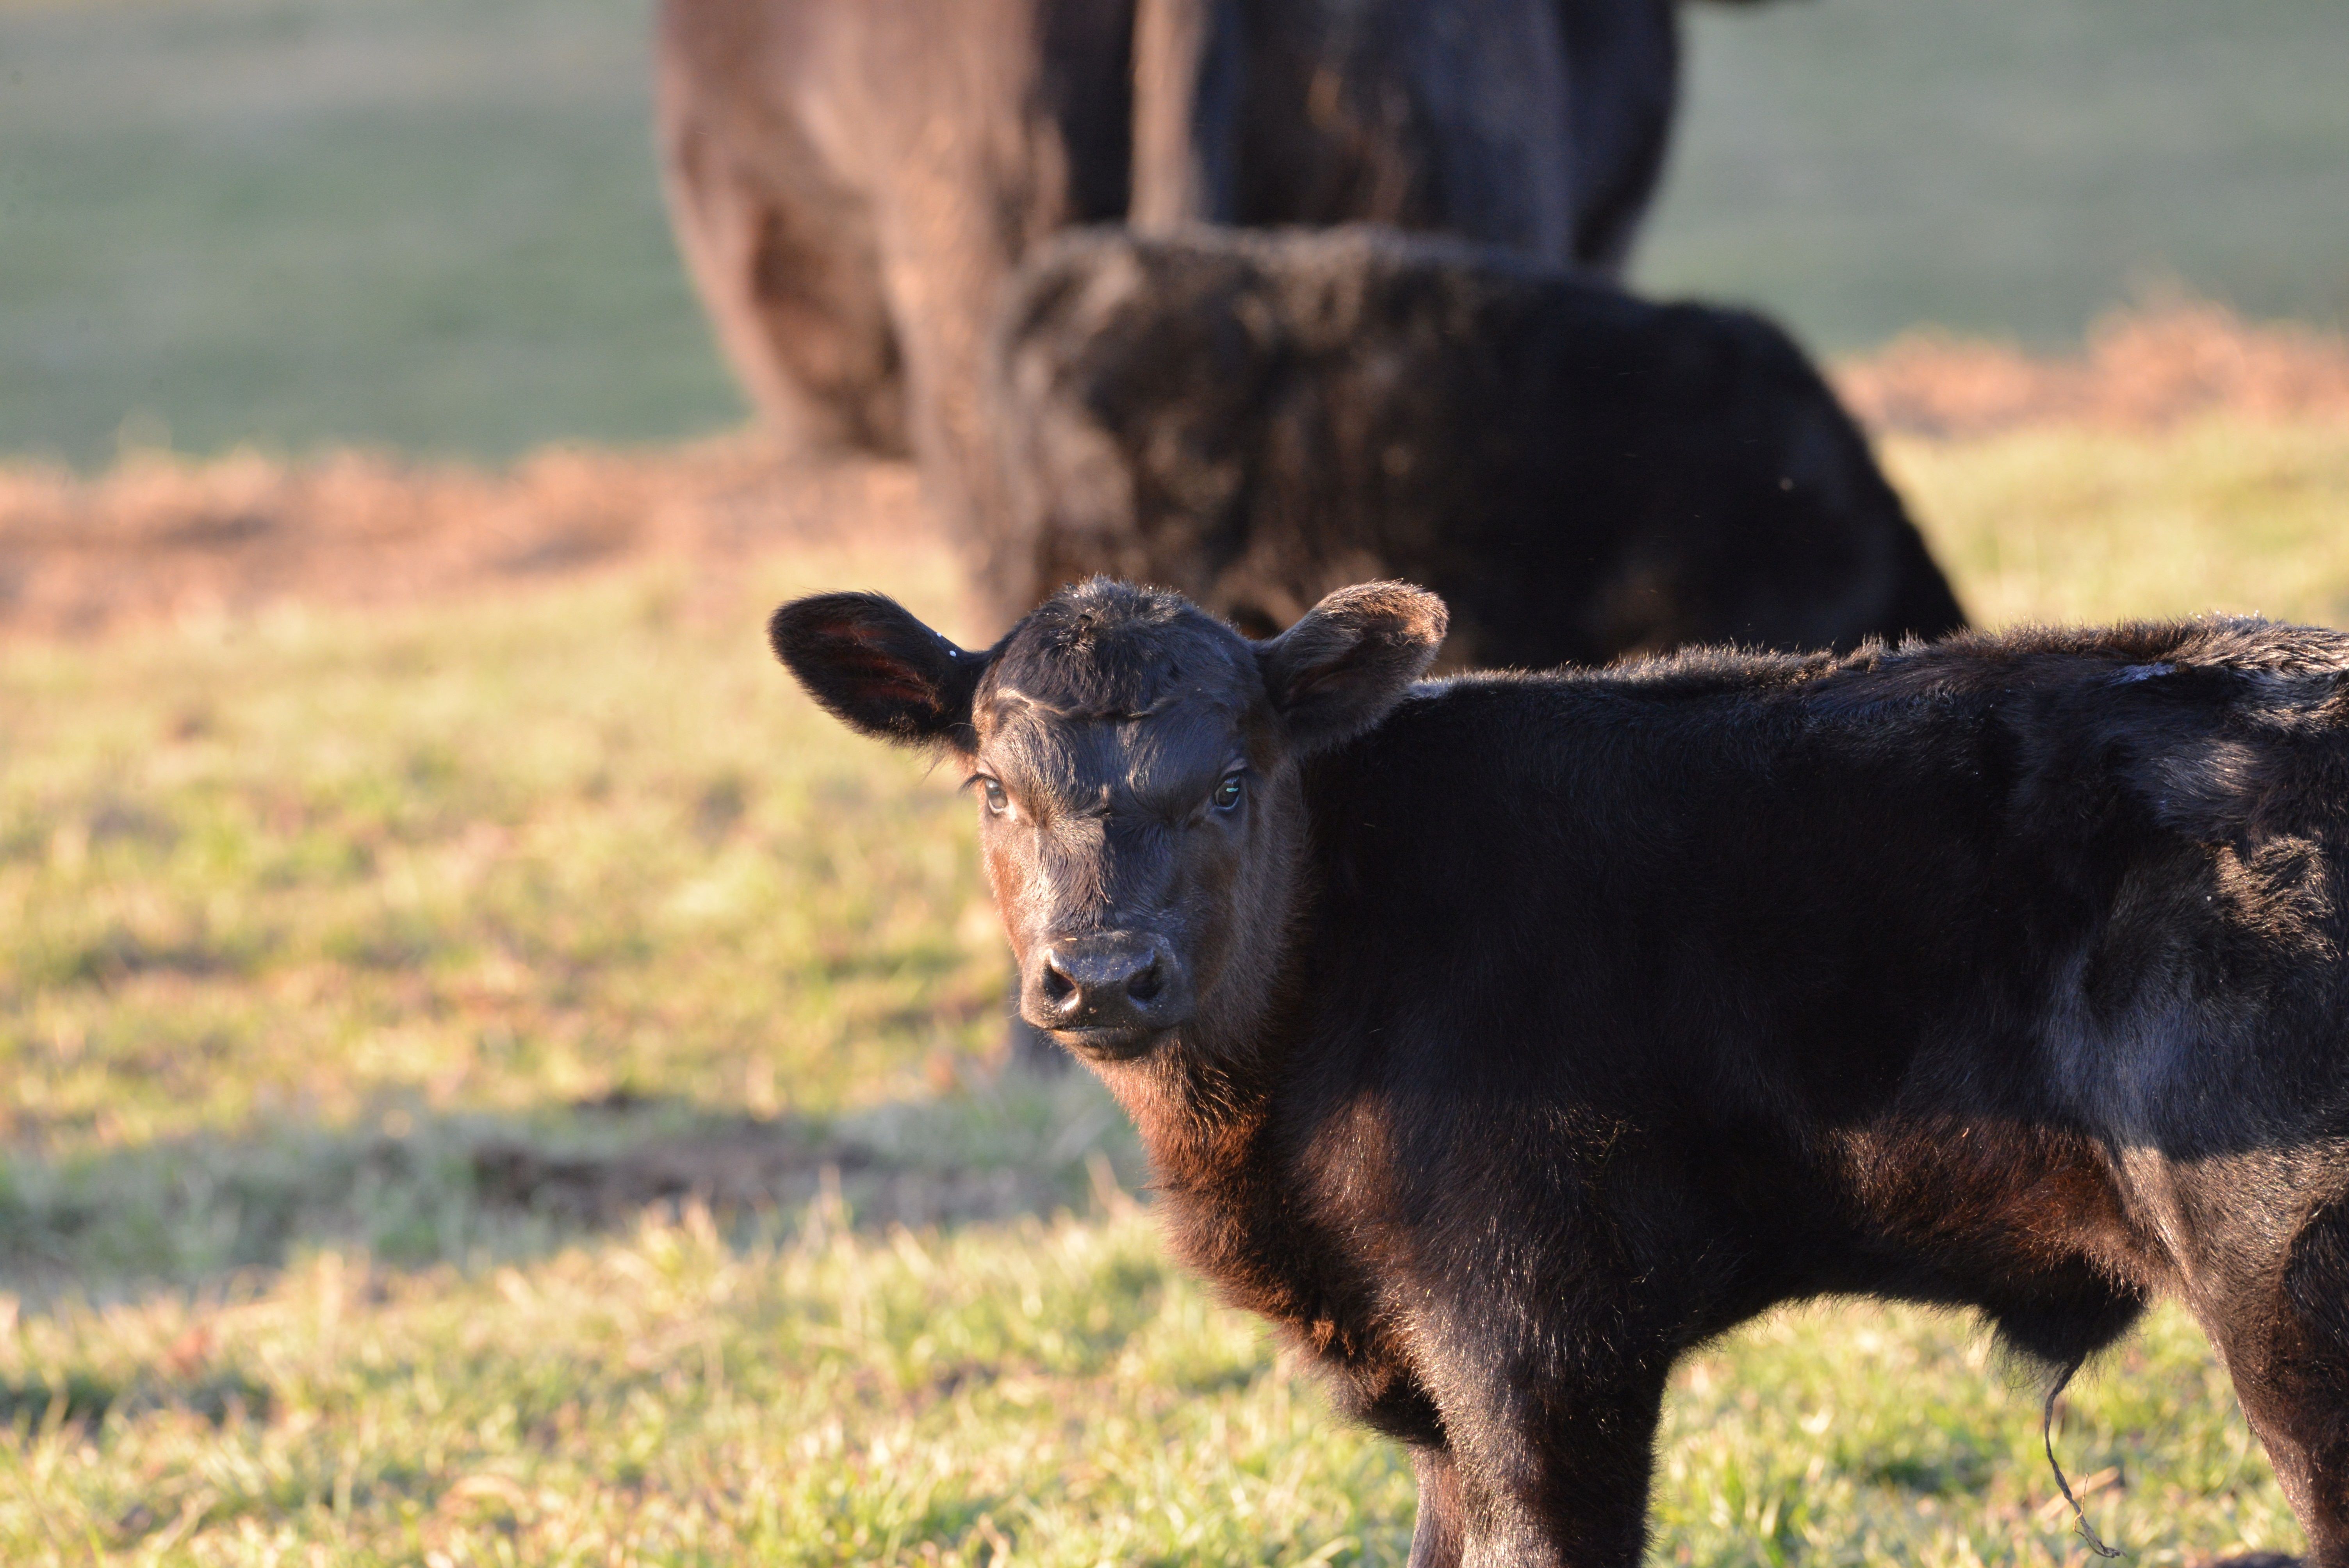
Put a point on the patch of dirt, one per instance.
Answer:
(752, 1167)
(162, 537)
(2141, 369)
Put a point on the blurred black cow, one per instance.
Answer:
(1259, 419)
(852, 181)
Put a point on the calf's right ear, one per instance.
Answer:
(878, 670)
(1336, 673)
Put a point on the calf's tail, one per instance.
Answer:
(2047, 1438)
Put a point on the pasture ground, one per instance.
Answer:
(496, 1077)
(493, 1078)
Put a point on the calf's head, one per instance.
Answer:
(1136, 764)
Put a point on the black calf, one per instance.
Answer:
(1255, 420)
(1536, 1028)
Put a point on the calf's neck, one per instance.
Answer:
(1501, 1038)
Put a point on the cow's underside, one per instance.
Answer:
(1583, 1337)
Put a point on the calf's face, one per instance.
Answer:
(1136, 764)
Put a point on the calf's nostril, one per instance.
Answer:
(1103, 983)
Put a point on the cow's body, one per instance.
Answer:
(1581, 1016)
(852, 180)
(1255, 420)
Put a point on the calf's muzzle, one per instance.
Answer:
(1106, 992)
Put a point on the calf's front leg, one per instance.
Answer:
(1541, 1471)
(1436, 1539)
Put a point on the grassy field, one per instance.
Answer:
(505, 1080)
(1046, 1393)
(2009, 169)
(500, 1079)
(435, 224)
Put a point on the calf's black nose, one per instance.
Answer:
(1113, 983)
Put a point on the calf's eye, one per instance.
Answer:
(1228, 793)
(997, 802)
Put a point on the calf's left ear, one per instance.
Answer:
(1337, 672)
(878, 670)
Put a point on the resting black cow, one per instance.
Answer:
(1256, 420)
(1501, 1038)
(852, 180)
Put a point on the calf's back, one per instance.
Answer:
(1256, 420)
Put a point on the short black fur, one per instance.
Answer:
(1554, 1024)
(1255, 419)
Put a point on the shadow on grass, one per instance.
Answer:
(40, 1404)
(412, 1190)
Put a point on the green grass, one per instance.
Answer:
(2008, 167)
(435, 224)
(298, 916)
(1048, 1393)
(2219, 515)
(568, 845)
(294, 914)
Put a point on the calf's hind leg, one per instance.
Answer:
(2286, 1344)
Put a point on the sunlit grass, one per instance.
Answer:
(314, 895)
(294, 912)
(2071, 525)
(485, 856)
(1046, 1393)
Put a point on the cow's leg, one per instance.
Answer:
(784, 259)
(1588, 1502)
(1546, 1470)
(1546, 1364)
(1435, 1538)
(944, 270)
(2286, 1344)
(1623, 81)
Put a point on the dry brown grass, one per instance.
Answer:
(2146, 368)
(165, 536)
